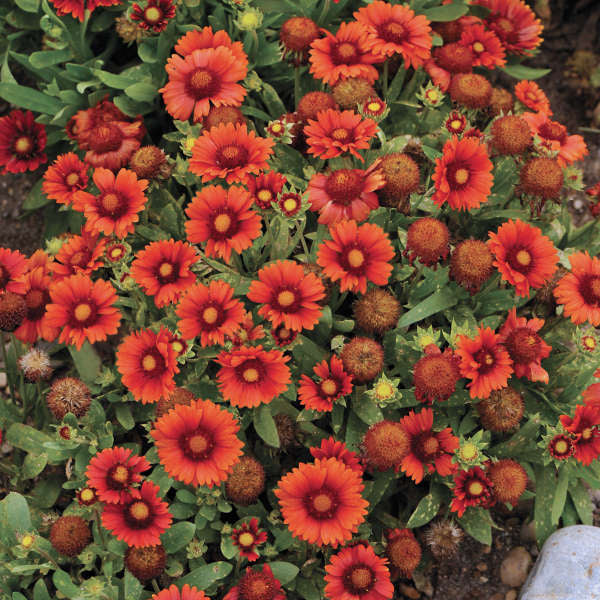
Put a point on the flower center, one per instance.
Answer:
(178, 347)
(344, 185)
(120, 474)
(139, 511)
(505, 25)
(202, 83)
(23, 145)
(290, 204)
(322, 503)
(589, 342)
(198, 443)
(230, 157)
(586, 434)
(469, 451)
(456, 124)
(110, 203)
(523, 258)
(78, 258)
(250, 375)
(210, 315)
(475, 488)
(329, 387)
(149, 363)
(34, 299)
(82, 312)
(361, 578)
(356, 258)
(165, 269)
(384, 391)
(461, 176)
(553, 131)
(431, 445)
(246, 539)
(561, 447)
(589, 287)
(374, 107)
(87, 495)
(152, 15)
(340, 134)
(286, 298)
(264, 196)
(222, 222)
(116, 253)
(478, 47)
(345, 53)
(72, 179)
(106, 138)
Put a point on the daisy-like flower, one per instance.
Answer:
(22, 142)
(321, 503)
(524, 256)
(140, 519)
(395, 29)
(162, 270)
(357, 573)
(579, 290)
(257, 585)
(147, 363)
(113, 472)
(288, 294)
(65, 176)
(117, 206)
(155, 16)
(561, 447)
(77, 8)
(110, 144)
(485, 45)
(514, 23)
(345, 194)
(463, 174)
(200, 79)
(334, 133)
(13, 266)
(83, 309)
(187, 592)
(79, 254)
(223, 219)
(429, 450)
(250, 376)
(333, 383)
(211, 312)
(332, 448)
(485, 361)
(345, 54)
(265, 188)
(197, 443)
(533, 97)
(355, 255)
(555, 138)
(230, 152)
(471, 488)
(202, 39)
(584, 425)
(247, 331)
(247, 538)
(525, 347)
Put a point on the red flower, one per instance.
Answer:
(256, 585)
(66, 176)
(197, 443)
(524, 256)
(162, 270)
(202, 39)
(230, 152)
(356, 254)
(210, 312)
(117, 207)
(525, 347)
(22, 142)
(485, 361)
(187, 593)
(250, 376)
(147, 363)
(113, 472)
(79, 254)
(584, 426)
(357, 573)
(345, 194)
(13, 266)
(288, 294)
(265, 188)
(332, 448)
(533, 97)
(247, 538)
(247, 331)
(485, 45)
(463, 175)
(141, 519)
(395, 29)
(83, 309)
(155, 16)
(345, 54)
(561, 447)
(77, 8)
(111, 144)
(334, 383)
(471, 488)
(429, 450)
(223, 219)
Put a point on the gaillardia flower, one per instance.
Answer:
(334, 383)
(22, 142)
(64, 177)
(471, 488)
(247, 538)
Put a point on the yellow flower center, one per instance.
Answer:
(322, 503)
(374, 106)
(340, 134)
(152, 14)
(329, 387)
(250, 375)
(488, 359)
(469, 451)
(589, 342)
(149, 362)
(83, 312)
(246, 539)
(355, 258)
(210, 315)
(475, 488)
(478, 47)
(433, 95)
(561, 447)
(177, 346)
(456, 124)
(139, 511)
(72, 179)
(461, 176)
(165, 269)
(110, 202)
(290, 204)
(523, 258)
(286, 298)
(27, 541)
(120, 474)
(222, 223)
(23, 145)
(264, 195)
(586, 434)
(276, 127)
(116, 252)
(87, 495)
(384, 390)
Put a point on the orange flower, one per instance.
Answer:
(223, 219)
(250, 376)
(289, 295)
(463, 175)
(79, 254)
(13, 265)
(533, 97)
(356, 255)
(335, 133)
(484, 361)
(116, 208)
(141, 519)
(584, 426)
(65, 176)
(162, 270)
(554, 138)
(110, 144)
(230, 152)
(265, 188)
(429, 450)
(485, 45)
(198, 444)
(247, 331)
(357, 573)
(471, 488)
(202, 39)
(343, 55)
(247, 538)
(187, 592)
(524, 256)
(395, 29)
(321, 503)
(83, 309)
(200, 79)
(334, 383)
(525, 347)
(22, 142)
(332, 448)
(579, 290)
(210, 312)
(257, 585)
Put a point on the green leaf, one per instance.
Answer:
(284, 571)
(64, 584)
(142, 92)
(449, 12)
(47, 58)
(36, 197)
(26, 438)
(132, 588)
(14, 517)
(438, 301)
(379, 486)
(205, 576)
(522, 72)
(519, 442)
(560, 495)
(40, 591)
(31, 6)
(264, 424)
(477, 523)
(272, 101)
(366, 409)
(118, 82)
(30, 99)
(307, 589)
(545, 483)
(87, 362)
(124, 416)
(582, 501)
(169, 220)
(178, 536)
(34, 464)
(426, 510)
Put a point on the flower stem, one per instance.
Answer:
(324, 12)
(6, 370)
(155, 586)
(296, 85)
(384, 76)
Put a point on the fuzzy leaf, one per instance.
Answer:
(545, 483)
(426, 510)
(284, 571)
(560, 495)
(264, 425)
(206, 575)
(178, 536)
(87, 361)
(28, 98)
(582, 501)
(477, 523)
(438, 301)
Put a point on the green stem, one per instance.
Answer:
(155, 586)
(45, 555)
(296, 85)
(99, 524)
(324, 12)
(305, 247)
(8, 373)
(385, 76)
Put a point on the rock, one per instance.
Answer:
(497, 596)
(511, 595)
(514, 568)
(3, 380)
(409, 591)
(528, 532)
(481, 566)
(568, 567)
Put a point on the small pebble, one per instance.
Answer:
(497, 596)
(511, 595)
(481, 567)
(515, 566)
